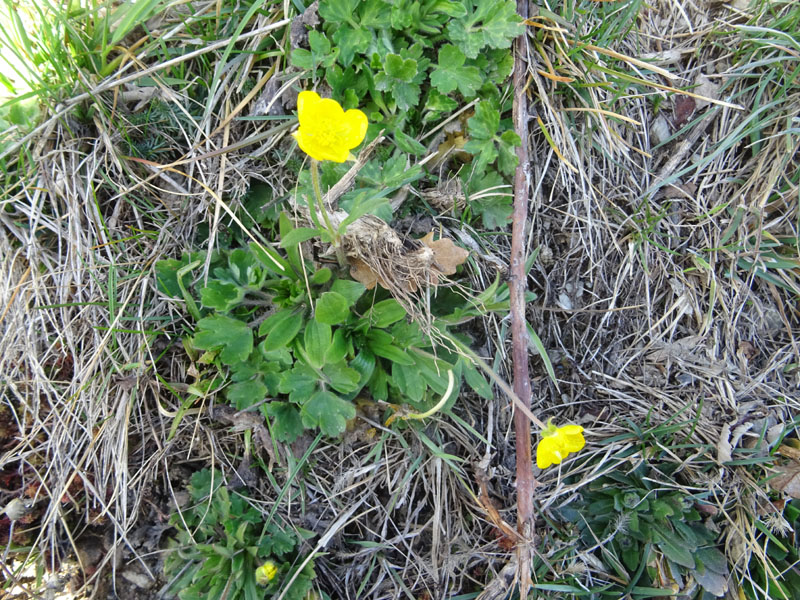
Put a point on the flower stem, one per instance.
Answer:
(335, 239)
(431, 411)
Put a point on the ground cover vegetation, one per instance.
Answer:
(235, 364)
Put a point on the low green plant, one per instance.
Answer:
(776, 575)
(647, 531)
(221, 542)
(300, 342)
(409, 64)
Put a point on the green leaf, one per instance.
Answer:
(476, 380)
(280, 328)
(167, 274)
(495, 204)
(321, 276)
(244, 268)
(287, 425)
(409, 381)
(401, 76)
(715, 584)
(381, 343)
(361, 206)
(332, 308)
(351, 23)
(507, 156)
(449, 8)
(496, 65)
(484, 143)
(501, 24)
(342, 378)
(406, 95)
(364, 363)
(714, 560)
(321, 49)
(537, 346)
(298, 236)
(662, 510)
(397, 68)
(24, 113)
(351, 41)
(674, 549)
(470, 42)
(352, 290)
(221, 295)
(328, 412)
(272, 260)
(484, 124)
(285, 227)
(277, 542)
(346, 80)
(129, 15)
(299, 383)
(379, 384)
(437, 103)
(494, 24)
(302, 586)
(316, 340)
(483, 151)
(434, 372)
(385, 312)
(406, 143)
(337, 351)
(245, 394)
(338, 11)
(231, 337)
(451, 74)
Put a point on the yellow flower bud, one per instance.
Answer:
(266, 573)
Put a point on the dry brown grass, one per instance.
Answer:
(636, 307)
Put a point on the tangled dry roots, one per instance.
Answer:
(377, 254)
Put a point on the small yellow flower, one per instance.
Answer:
(557, 443)
(266, 573)
(326, 131)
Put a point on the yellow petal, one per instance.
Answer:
(311, 145)
(571, 437)
(306, 103)
(356, 123)
(328, 109)
(548, 452)
(266, 573)
(573, 443)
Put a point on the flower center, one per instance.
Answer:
(328, 133)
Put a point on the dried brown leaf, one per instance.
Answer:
(360, 271)
(447, 256)
(707, 88)
(788, 480)
(724, 448)
(684, 109)
(789, 452)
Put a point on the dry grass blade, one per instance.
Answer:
(666, 225)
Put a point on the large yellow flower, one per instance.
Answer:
(557, 443)
(326, 131)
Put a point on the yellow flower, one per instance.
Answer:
(326, 131)
(266, 573)
(557, 443)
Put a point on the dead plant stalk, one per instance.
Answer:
(519, 333)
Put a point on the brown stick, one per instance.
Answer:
(519, 332)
